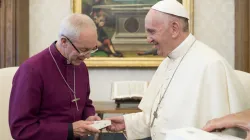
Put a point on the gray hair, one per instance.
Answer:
(185, 24)
(73, 25)
(182, 20)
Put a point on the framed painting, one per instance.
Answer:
(121, 33)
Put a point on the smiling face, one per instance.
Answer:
(160, 32)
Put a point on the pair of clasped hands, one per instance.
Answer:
(83, 128)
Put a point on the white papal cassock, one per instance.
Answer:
(204, 87)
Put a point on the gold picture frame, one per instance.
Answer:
(76, 6)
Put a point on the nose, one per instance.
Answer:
(82, 55)
(149, 39)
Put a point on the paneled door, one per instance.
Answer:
(14, 32)
(242, 35)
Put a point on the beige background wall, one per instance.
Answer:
(214, 25)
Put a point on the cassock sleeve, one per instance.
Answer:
(25, 101)
(214, 91)
(89, 109)
(137, 126)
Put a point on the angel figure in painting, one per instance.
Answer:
(105, 46)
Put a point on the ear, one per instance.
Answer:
(63, 42)
(175, 29)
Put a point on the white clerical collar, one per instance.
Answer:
(182, 48)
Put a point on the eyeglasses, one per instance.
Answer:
(83, 52)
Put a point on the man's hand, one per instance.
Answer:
(93, 118)
(83, 128)
(239, 120)
(117, 124)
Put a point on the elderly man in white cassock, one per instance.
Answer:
(192, 85)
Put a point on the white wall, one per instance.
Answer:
(101, 79)
(45, 17)
(214, 25)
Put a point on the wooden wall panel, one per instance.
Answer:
(10, 36)
(242, 35)
(22, 31)
(2, 34)
(14, 32)
(248, 34)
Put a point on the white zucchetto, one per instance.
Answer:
(172, 7)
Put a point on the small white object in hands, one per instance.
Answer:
(101, 124)
(196, 134)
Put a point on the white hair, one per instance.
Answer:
(73, 25)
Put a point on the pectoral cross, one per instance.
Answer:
(75, 100)
(155, 116)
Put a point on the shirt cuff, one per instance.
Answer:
(70, 132)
